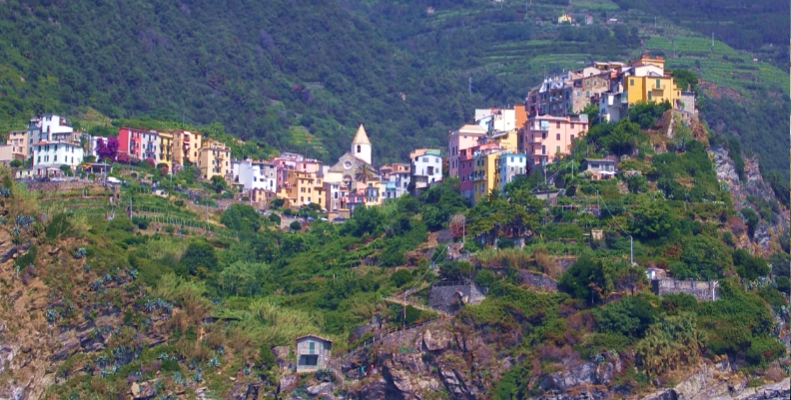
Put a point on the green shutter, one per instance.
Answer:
(657, 83)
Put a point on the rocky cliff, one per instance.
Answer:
(768, 233)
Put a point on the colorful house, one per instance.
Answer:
(510, 165)
(214, 159)
(186, 145)
(165, 155)
(545, 138)
(459, 142)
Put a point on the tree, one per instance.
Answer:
(65, 169)
(584, 279)
(151, 162)
(630, 316)
(107, 150)
(364, 174)
(685, 79)
(16, 163)
(218, 184)
(199, 253)
(242, 218)
(295, 226)
(652, 220)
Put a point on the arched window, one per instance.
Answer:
(358, 148)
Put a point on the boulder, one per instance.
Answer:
(243, 391)
(70, 344)
(372, 389)
(439, 340)
(143, 391)
(287, 383)
(323, 388)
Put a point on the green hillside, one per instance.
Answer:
(259, 68)
(301, 75)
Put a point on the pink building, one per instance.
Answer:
(544, 138)
(459, 142)
(137, 143)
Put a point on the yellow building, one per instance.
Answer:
(508, 141)
(21, 145)
(214, 159)
(165, 155)
(565, 18)
(301, 188)
(651, 88)
(485, 173)
(647, 81)
(186, 145)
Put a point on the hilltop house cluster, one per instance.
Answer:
(51, 143)
(501, 144)
(504, 143)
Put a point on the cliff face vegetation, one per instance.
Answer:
(536, 298)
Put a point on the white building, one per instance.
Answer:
(397, 185)
(255, 175)
(496, 119)
(52, 124)
(49, 156)
(613, 106)
(361, 146)
(511, 165)
(427, 169)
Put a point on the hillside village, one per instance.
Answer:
(531, 256)
(501, 144)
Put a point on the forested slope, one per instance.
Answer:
(263, 69)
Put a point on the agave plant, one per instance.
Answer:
(51, 315)
(197, 378)
(80, 253)
(177, 377)
(5, 192)
(163, 356)
(214, 362)
(86, 268)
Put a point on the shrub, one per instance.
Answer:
(59, 226)
(401, 277)
(763, 350)
(266, 359)
(295, 226)
(141, 222)
(630, 316)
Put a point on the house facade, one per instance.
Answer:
(545, 138)
(459, 143)
(214, 159)
(21, 144)
(510, 166)
(49, 156)
(165, 154)
(313, 353)
(598, 168)
(186, 146)
(426, 168)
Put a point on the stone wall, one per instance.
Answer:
(702, 290)
(443, 296)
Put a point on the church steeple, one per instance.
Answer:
(361, 146)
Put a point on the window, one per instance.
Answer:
(657, 83)
(543, 149)
(649, 96)
(557, 136)
(312, 348)
(557, 150)
(588, 93)
(631, 82)
(572, 137)
(359, 149)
